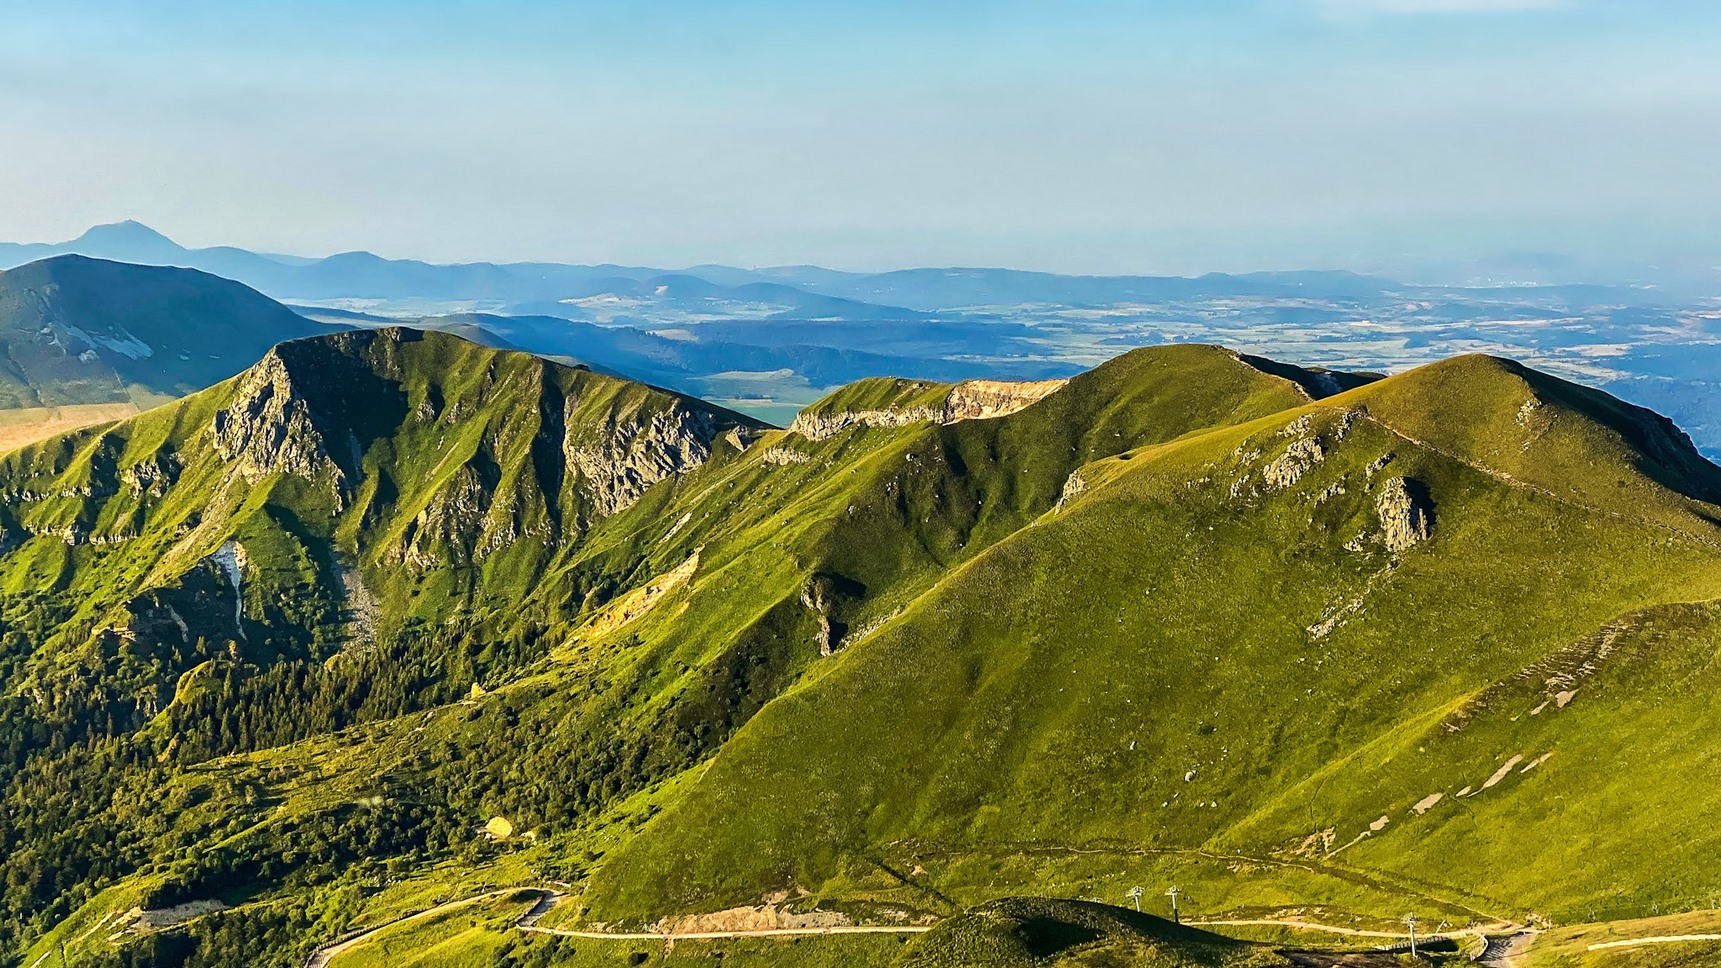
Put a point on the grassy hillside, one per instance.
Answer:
(349, 531)
(1191, 619)
(1240, 684)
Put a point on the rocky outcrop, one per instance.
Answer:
(766, 917)
(742, 438)
(970, 400)
(1305, 452)
(151, 477)
(627, 456)
(817, 596)
(1288, 468)
(1405, 514)
(230, 560)
(822, 594)
(268, 428)
(447, 529)
(984, 399)
(785, 456)
(1074, 486)
(822, 426)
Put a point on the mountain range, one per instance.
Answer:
(800, 292)
(558, 663)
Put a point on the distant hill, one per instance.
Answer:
(648, 356)
(1640, 336)
(75, 330)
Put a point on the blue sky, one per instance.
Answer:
(1087, 136)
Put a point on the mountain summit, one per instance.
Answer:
(127, 241)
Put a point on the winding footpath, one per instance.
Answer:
(322, 956)
(711, 935)
(1658, 939)
(1504, 940)
(1486, 931)
(548, 899)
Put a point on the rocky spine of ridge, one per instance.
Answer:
(969, 400)
(268, 428)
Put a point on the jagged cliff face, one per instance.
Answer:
(970, 400)
(625, 457)
(1404, 514)
(268, 429)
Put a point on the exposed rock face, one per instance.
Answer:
(308, 409)
(741, 438)
(970, 400)
(1404, 515)
(1288, 468)
(1074, 485)
(450, 524)
(823, 426)
(784, 456)
(153, 476)
(268, 429)
(816, 595)
(984, 399)
(231, 561)
(763, 918)
(822, 594)
(629, 457)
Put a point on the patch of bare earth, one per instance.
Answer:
(20, 428)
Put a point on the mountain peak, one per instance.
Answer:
(129, 231)
(128, 241)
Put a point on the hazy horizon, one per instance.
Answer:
(1387, 136)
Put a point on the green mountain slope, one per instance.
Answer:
(351, 529)
(1289, 610)
(78, 331)
(292, 644)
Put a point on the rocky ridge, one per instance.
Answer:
(969, 400)
(268, 427)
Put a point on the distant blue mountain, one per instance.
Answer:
(541, 287)
(786, 292)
